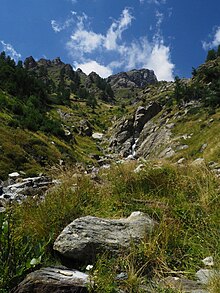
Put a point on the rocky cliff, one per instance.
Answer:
(132, 79)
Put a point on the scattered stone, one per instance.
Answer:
(122, 276)
(203, 147)
(31, 186)
(85, 237)
(14, 175)
(97, 135)
(205, 275)
(212, 164)
(198, 161)
(182, 285)
(181, 161)
(54, 279)
(208, 261)
(182, 147)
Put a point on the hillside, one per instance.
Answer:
(107, 156)
(51, 112)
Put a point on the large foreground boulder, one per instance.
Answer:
(54, 279)
(81, 240)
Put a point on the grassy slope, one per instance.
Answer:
(184, 200)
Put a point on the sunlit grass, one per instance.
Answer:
(183, 200)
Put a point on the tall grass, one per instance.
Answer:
(184, 201)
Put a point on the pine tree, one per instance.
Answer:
(211, 55)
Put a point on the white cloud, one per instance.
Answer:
(160, 62)
(215, 42)
(87, 41)
(115, 31)
(87, 46)
(58, 27)
(82, 40)
(157, 2)
(8, 48)
(91, 66)
(55, 26)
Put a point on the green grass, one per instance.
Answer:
(184, 201)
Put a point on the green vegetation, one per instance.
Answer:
(33, 134)
(204, 86)
(184, 201)
(213, 54)
(42, 116)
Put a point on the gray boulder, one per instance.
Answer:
(54, 279)
(85, 237)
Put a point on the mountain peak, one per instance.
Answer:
(30, 63)
(57, 61)
(132, 79)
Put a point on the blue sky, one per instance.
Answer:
(109, 36)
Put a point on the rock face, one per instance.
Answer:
(132, 79)
(54, 279)
(85, 237)
(135, 135)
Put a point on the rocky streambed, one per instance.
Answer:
(17, 188)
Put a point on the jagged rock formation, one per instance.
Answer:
(132, 79)
(61, 77)
(85, 237)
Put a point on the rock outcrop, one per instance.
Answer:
(132, 79)
(85, 237)
(134, 135)
(30, 63)
(54, 279)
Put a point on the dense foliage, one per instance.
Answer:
(204, 86)
(26, 99)
(213, 54)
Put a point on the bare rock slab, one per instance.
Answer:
(54, 279)
(82, 239)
